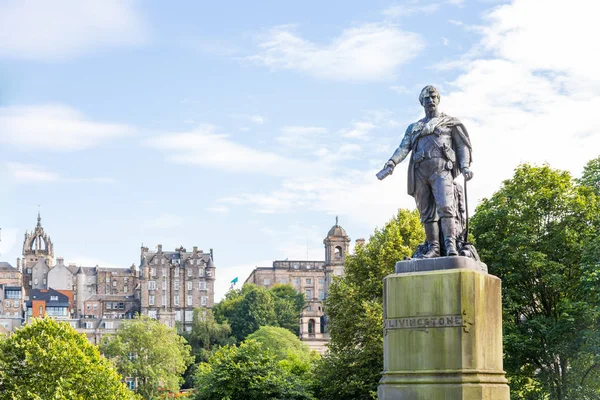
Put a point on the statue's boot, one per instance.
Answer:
(432, 234)
(449, 236)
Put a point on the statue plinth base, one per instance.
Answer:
(442, 332)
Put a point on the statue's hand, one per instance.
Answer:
(390, 164)
(468, 174)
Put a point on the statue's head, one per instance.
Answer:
(429, 98)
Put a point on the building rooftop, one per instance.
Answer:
(337, 230)
(53, 298)
(4, 266)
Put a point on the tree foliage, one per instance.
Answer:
(49, 360)
(146, 349)
(251, 307)
(534, 233)
(248, 372)
(288, 304)
(591, 175)
(207, 334)
(284, 345)
(352, 368)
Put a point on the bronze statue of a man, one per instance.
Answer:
(441, 149)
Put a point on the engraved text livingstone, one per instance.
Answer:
(438, 321)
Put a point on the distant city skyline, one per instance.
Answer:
(247, 127)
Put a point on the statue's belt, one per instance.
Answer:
(426, 155)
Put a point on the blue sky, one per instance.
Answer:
(247, 126)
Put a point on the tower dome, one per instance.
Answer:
(337, 230)
(336, 244)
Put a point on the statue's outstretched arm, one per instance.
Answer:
(402, 150)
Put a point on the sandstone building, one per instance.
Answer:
(167, 285)
(312, 278)
(173, 283)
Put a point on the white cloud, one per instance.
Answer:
(359, 130)
(301, 137)
(519, 33)
(54, 127)
(27, 173)
(520, 102)
(532, 95)
(410, 8)
(59, 29)
(368, 52)
(355, 194)
(204, 147)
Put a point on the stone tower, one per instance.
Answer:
(337, 246)
(38, 258)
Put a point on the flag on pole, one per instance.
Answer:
(233, 282)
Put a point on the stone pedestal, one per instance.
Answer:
(442, 332)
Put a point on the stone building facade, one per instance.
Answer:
(173, 283)
(10, 275)
(312, 278)
(167, 285)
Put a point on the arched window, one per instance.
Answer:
(311, 326)
(338, 252)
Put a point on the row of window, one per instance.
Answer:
(15, 303)
(189, 315)
(309, 294)
(12, 294)
(178, 272)
(11, 275)
(283, 281)
(114, 305)
(190, 285)
(107, 280)
(177, 261)
(55, 311)
(190, 300)
(14, 314)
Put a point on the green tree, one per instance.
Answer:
(251, 307)
(282, 343)
(49, 360)
(207, 334)
(248, 372)
(591, 175)
(154, 354)
(288, 304)
(534, 234)
(352, 367)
